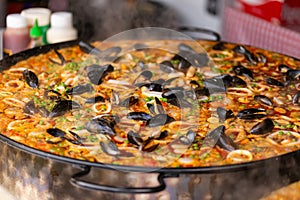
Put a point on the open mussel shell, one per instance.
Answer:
(63, 106)
(263, 127)
(31, 78)
(110, 148)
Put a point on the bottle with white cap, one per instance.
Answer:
(16, 36)
(42, 15)
(61, 29)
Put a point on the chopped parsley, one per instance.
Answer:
(72, 66)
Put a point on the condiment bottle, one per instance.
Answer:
(61, 29)
(16, 36)
(36, 36)
(43, 17)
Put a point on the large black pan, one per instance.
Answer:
(253, 179)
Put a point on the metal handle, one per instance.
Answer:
(199, 30)
(75, 180)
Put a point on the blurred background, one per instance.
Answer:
(269, 24)
(98, 19)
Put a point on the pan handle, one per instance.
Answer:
(75, 180)
(200, 31)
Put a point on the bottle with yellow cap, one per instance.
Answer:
(36, 36)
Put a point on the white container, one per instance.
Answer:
(41, 14)
(43, 17)
(61, 29)
(16, 36)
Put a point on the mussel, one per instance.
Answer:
(80, 89)
(152, 86)
(220, 46)
(110, 148)
(61, 58)
(156, 107)
(140, 46)
(166, 66)
(250, 57)
(185, 47)
(159, 120)
(128, 102)
(171, 93)
(95, 99)
(110, 54)
(30, 108)
(243, 71)
(102, 125)
(134, 138)
(272, 81)
(252, 113)
(218, 137)
(161, 135)
(88, 48)
(263, 100)
(236, 81)
(188, 138)
(293, 75)
(296, 98)
(224, 114)
(63, 106)
(31, 78)
(96, 73)
(215, 85)
(283, 68)
(149, 145)
(263, 127)
(141, 116)
(53, 95)
(70, 136)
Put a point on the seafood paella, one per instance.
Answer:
(223, 104)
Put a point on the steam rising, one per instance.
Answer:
(100, 19)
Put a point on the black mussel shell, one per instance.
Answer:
(243, 71)
(263, 127)
(293, 75)
(283, 68)
(220, 46)
(215, 85)
(88, 48)
(272, 81)
(224, 114)
(110, 148)
(185, 47)
(95, 99)
(188, 138)
(101, 126)
(167, 66)
(140, 46)
(159, 120)
(134, 138)
(73, 138)
(55, 132)
(251, 113)
(130, 101)
(110, 54)
(142, 116)
(149, 145)
(264, 100)
(30, 108)
(296, 98)
(96, 73)
(31, 78)
(236, 81)
(80, 89)
(63, 106)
